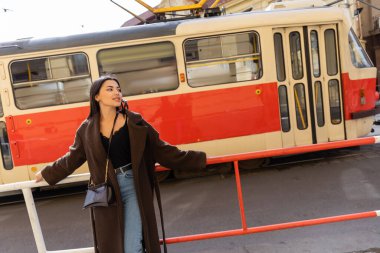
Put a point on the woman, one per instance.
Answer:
(129, 225)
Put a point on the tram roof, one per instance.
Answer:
(184, 27)
(276, 18)
(120, 34)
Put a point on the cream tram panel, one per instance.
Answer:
(16, 174)
(237, 145)
(359, 127)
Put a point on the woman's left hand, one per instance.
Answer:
(39, 177)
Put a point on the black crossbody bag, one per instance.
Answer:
(100, 194)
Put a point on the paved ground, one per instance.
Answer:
(334, 183)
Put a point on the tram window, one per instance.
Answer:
(284, 108)
(296, 55)
(331, 59)
(319, 103)
(279, 54)
(300, 104)
(315, 53)
(334, 98)
(359, 57)
(141, 69)
(5, 148)
(223, 59)
(208, 48)
(30, 70)
(52, 80)
(68, 65)
(1, 108)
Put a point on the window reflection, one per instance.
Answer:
(334, 99)
(331, 55)
(223, 59)
(319, 103)
(53, 80)
(284, 108)
(5, 148)
(315, 53)
(279, 54)
(300, 105)
(359, 57)
(141, 69)
(296, 55)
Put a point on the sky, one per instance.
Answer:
(47, 18)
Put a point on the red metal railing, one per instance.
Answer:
(40, 242)
(269, 153)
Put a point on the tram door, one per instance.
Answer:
(309, 85)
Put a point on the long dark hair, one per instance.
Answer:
(94, 90)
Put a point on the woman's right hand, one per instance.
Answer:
(39, 177)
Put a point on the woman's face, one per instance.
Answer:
(109, 94)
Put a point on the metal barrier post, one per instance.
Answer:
(34, 221)
(240, 196)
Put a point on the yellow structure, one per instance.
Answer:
(175, 8)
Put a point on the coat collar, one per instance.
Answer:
(137, 135)
(94, 129)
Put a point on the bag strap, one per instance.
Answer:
(109, 146)
(108, 151)
(158, 196)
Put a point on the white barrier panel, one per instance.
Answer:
(26, 187)
(83, 250)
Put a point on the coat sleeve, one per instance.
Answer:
(173, 158)
(66, 164)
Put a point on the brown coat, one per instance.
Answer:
(146, 149)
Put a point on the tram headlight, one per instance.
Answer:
(362, 97)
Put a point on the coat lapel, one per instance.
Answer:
(97, 154)
(137, 135)
(95, 131)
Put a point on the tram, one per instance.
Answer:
(230, 84)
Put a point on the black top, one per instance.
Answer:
(120, 151)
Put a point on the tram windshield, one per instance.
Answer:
(359, 57)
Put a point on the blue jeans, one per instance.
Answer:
(132, 218)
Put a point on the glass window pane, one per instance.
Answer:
(279, 54)
(68, 65)
(300, 104)
(334, 99)
(1, 108)
(331, 57)
(30, 70)
(52, 93)
(208, 48)
(319, 103)
(296, 55)
(236, 58)
(5, 147)
(284, 108)
(359, 57)
(315, 53)
(141, 69)
(68, 81)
